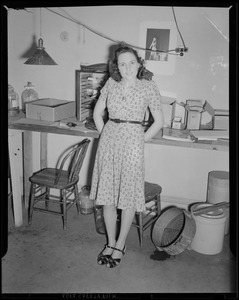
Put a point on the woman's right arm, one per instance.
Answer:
(98, 114)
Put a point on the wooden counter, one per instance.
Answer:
(21, 123)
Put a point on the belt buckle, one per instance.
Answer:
(117, 120)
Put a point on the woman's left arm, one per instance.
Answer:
(156, 126)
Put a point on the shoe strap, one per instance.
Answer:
(123, 251)
(111, 247)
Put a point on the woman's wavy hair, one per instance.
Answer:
(143, 73)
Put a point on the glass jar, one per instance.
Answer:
(13, 102)
(86, 204)
(28, 95)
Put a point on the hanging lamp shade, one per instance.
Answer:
(40, 56)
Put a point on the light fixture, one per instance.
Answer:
(40, 56)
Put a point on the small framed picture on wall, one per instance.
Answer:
(158, 38)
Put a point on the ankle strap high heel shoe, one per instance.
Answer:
(103, 259)
(113, 262)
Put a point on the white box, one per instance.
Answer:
(200, 114)
(221, 122)
(167, 113)
(50, 109)
(194, 119)
(179, 111)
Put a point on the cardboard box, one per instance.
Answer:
(200, 114)
(179, 112)
(194, 119)
(50, 109)
(167, 114)
(176, 123)
(195, 114)
(207, 119)
(221, 122)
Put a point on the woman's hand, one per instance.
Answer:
(98, 115)
(156, 126)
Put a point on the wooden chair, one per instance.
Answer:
(153, 209)
(64, 179)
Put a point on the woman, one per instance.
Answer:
(118, 175)
(153, 54)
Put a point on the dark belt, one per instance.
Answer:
(125, 121)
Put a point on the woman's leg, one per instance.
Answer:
(110, 218)
(127, 217)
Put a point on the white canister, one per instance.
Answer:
(210, 228)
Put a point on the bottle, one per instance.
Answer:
(86, 204)
(13, 102)
(28, 95)
(99, 219)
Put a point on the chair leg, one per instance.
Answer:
(47, 197)
(64, 217)
(32, 198)
(77, 199)
(140, 215)
(158, 204)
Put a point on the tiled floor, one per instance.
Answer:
(42, 258)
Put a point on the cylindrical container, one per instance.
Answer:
(173, 231)
(86, 204)
(99, 219)
(218, 190)
(28, 95)
(210, 229)
(13, 102)
(218, 187)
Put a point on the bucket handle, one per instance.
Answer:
(210, 208)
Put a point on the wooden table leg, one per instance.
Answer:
(15, 158)
(28, 161)
(27, 167)
(43, 150)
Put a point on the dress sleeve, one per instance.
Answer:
(104, 91)
(154, 97)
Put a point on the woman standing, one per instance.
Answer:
(153, 54)
(118, 175)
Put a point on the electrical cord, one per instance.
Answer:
(176, 51)
(181, 50)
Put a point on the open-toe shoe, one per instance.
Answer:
(103, 259)
(113, 262)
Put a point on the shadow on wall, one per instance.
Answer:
(29, 52)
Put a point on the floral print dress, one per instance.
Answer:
(118, 174)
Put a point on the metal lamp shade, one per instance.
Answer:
(40, 56)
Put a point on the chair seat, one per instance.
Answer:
(151, 191)
(47, 178)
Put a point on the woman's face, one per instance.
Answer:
(128, 65)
